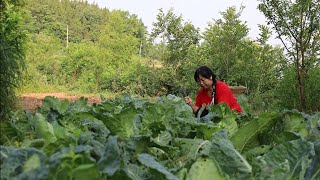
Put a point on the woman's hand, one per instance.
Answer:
(188, 100)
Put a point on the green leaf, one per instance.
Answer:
(32, 163)
(285, 161)
(204, 169)
(225, 117)
(158, 153)
(86, 171)
(122, 122)
(182, 174)
(110, 161)
(103, 98)
(163, 138)
(50, 102)
(205, 130)
(36, 143)
(26, 163)
(293, 121)
(313, 171)
(157, 116)
(191, 149)
(257, 151)
(246, 137)
(150, 162)
(134, 171)
(43, 128)
(59, 131)
(314, 127)
(229, 160)
(80, 105)
(96, 126)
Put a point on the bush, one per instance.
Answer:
(12, 40)
(313, 89)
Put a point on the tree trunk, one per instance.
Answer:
(301, 80)
(302, 96)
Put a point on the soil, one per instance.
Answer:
(31, 101)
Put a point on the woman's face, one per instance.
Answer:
(205, 82)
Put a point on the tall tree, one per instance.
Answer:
(122, 35)
(11, 52)
(297, 24)
(178, 37)
(270, 61)
(225, 41)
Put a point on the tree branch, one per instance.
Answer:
(285, 22)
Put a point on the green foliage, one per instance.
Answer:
(178, 46)
(52, 17)
(12, 38)
(247, 137)
(313, 89)
(227, 37)
(42, 64)
(131, 138)
(288, 95)
(238, 60)
(111, 52)
(83, 67)
(178, 36)
(285, 161)
(121, 36)
(204, 169)
(102, 51)
(297, 26)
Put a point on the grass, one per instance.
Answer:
(24, 89)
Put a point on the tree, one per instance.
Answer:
(177, 36)
(11, 53)
(178, 41)
(225, 42)
(269, 64)
(122, 35)
(297, 24)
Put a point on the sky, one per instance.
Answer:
(199, 12)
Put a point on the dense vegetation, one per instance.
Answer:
(112, 52)
(134, 138)
(11, 53)
(78, 47)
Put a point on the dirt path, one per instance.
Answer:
(31, 101)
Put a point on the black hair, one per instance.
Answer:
(205, 72)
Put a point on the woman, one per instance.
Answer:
(211, 91)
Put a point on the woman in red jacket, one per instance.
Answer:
(211, 91)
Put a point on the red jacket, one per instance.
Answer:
(223, 94)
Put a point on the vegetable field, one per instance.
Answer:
(132, 138)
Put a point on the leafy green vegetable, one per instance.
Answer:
(22, 162)
(150, 162)
(294, 122)
(313, 171)
(191, 149)
(285, 161)
(247, 136)
(204, 169)
(227, 158)
(50, 102)
(110, 161)
(133, 138)
(43, 128)
(86, 171)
